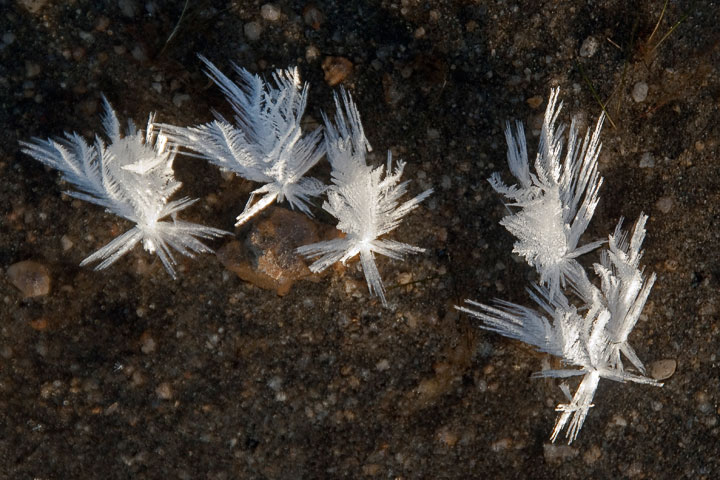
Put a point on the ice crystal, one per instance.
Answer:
(556, 202)
(591, 341)
(552, 208)
(266, 144)
(365, 200)
(623, 290)
(132, 176)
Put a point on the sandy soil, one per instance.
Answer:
(125, 373)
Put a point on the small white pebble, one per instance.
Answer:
(589, 47)
(382, 365)
(252, 31)
(640, 91)
(664, 204)
(647, 160)
(66, 243)
(312, 53)
(270, 12)
(128, 8)
(164, 391)
(180, 98)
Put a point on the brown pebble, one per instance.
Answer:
(39, 324)
(102, 23)
(32, 6)
(371, 469)
(663, 369)
(336, 69)
(78, 54)
(534, 102)
(31, 278)
(267, 258)
(555, 454)
(664, 204)
(164, 391)
(32, 69)
(147, 343)
(447, 437)
(312, 16)
(592, 455)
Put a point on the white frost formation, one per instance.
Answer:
(266, 144)
(556, 205)
(365, 200)
(133, 178)
(556, 202)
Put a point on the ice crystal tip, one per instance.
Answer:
(552, 206)
(265, 144)
(132, 177)
(364, 199)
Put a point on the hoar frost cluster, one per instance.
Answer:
(364, 199)
(266, 144)
(551, 208)
(585, 324)
(132, 177)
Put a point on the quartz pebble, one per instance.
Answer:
(252, 31)
(647, 160)
(555, 454)
(640, 91)
(664, 204)
(663, 369)
(589, 47)
(164, 391)
(31, 278)
(270, 12)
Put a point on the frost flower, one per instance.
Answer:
(555, 204)
(623, 290)
(580, 341)
(266, 144)
(592, 341)
(133, 178)
(365, 200)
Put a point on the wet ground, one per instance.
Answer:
(125, 373)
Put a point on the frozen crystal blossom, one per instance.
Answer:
(266, 144)
(365, 200)
(552, 206)
(590, 341)
(131, 176)
(623, 290)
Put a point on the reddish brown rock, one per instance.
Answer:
(267, 258)
(336, 69)
(31, 278)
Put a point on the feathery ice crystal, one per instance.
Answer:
(267, 145)
(591, 341)
(365, 200)
(133, 178)
(591, 336)
(555, 203)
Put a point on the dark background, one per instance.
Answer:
(125, 373)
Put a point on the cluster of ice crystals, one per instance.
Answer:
(133, 178)
(266, 144)
(364, 199)
(555, 205)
